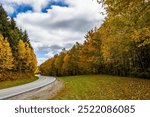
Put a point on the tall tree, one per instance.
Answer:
(6, 57)
(21, 55)
(120, 46)
(4, 25)
(30, 59)
(59, 63)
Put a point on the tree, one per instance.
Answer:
(21, 55)
(16, 52)
(67, 67)
(13, 24)
(6, 58)
(27, 58)
(4, 25)
(25, 37)
(90, 54)
(120, 46)
(59, 63)
(30, 59)
(126, 36)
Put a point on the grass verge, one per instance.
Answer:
(103, 87)
(11, 83)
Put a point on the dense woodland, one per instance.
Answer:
(120, 46)
(17, 58)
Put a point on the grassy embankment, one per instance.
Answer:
(97, 87)
(11, 83)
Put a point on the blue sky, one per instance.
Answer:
(19, 9)
(22, 8)
(54, 24)
(49, 6)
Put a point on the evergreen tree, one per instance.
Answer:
(16, 53)
(13, 24)
(4, 23)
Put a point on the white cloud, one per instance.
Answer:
(61, 26)
(49, 54)
(40, 60)
(36, 4)
(9, 8)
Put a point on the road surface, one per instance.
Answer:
(13, 91)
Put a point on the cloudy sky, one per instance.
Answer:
(54, 24)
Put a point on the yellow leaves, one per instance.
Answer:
(27, 57)
(146, 42)
(105, 52)
(141, 36)
(21, 49)
(113, 48)
(6, 57)
(66, 65)
(30, 58)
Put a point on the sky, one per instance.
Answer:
(54, 24)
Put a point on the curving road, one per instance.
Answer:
(13, 91)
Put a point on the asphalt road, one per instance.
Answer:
(13, 91)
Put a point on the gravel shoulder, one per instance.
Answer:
(41, 93)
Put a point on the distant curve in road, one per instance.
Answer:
(13, 91)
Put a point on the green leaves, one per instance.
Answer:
(121, 46)
(16, 53)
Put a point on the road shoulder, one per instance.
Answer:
(41, 93)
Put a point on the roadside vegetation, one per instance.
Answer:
(12, 83)
(103, 87)
(17, 58)
(120, 46)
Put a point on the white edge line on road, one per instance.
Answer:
(27, 90)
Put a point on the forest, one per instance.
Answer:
(120, 46)
(17, 58)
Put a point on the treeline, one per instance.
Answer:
(17, 58)
(121, 46)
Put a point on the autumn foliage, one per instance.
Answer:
(17, 58)
(120, 46)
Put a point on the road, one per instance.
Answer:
(13, 91)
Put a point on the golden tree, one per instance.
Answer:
(6, 57)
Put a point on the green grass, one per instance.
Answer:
(103, 87)
(7, 84)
